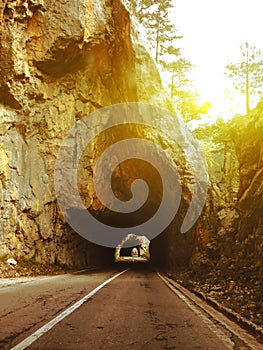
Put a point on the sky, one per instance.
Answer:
(213, 31)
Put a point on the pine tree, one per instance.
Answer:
(247, 73)
(162, 35)
(183, 92)
(161, 32)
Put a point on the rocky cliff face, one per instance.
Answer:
(61, 60)
(240, 227)
(248, 136)
(227, 263)
(233, 236)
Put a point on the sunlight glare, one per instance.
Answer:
(212, 33)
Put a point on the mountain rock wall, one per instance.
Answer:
(60, 61)
(248, 137)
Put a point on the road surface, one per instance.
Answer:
(135, 310)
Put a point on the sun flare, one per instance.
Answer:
(212, 35)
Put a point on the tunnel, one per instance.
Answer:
(133, 248)
(170, 248)
(66, 79)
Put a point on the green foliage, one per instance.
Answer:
(188, 106)
(247, 73)
(162, 35)
(221, 159)
(183, 93)
(161, 32)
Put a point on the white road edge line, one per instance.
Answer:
(249, 340)
(44, 329)
(229, 344)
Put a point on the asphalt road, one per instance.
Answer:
(136, 310)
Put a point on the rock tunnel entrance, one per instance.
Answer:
(170, 248)
(138, 252)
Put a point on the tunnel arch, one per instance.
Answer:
(139, 243)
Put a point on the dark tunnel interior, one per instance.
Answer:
(166, 249)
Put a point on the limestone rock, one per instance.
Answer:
(228, 221)
(248, 137)
(12, 262)
(59, 62)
